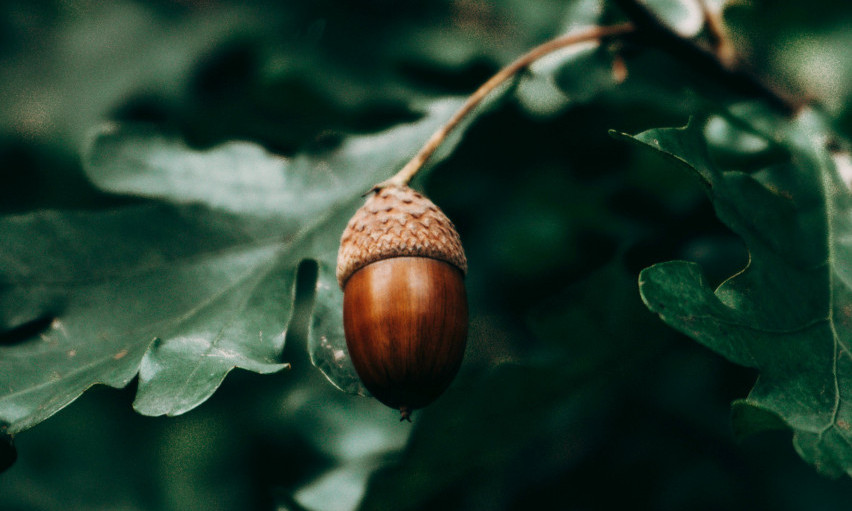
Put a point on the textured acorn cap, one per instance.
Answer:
(397, 222)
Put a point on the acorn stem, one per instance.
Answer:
(404, 176)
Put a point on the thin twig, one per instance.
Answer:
(718, 36)
(721, 63)
(404, 176)
(730, 70)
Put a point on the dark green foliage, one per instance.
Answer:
(8, 454)
(787, 313)
(175, 177)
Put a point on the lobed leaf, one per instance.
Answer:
(186, 286)
(788, 312)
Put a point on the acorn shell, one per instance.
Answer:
(401, 266)
(405, 320)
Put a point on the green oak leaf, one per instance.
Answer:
(190, 281)
(789, 312)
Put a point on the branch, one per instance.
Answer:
(645, 26)
(730, 70)
(404, 176)
(718, 36)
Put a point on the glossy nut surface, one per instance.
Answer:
(405, 320)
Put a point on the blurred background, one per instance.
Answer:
(572, 395)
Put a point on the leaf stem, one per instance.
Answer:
(404, 176)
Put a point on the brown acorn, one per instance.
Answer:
(401, 267)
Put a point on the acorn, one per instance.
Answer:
(401, 267)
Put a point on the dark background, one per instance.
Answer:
(572, 395)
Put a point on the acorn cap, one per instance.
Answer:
(397, 222)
